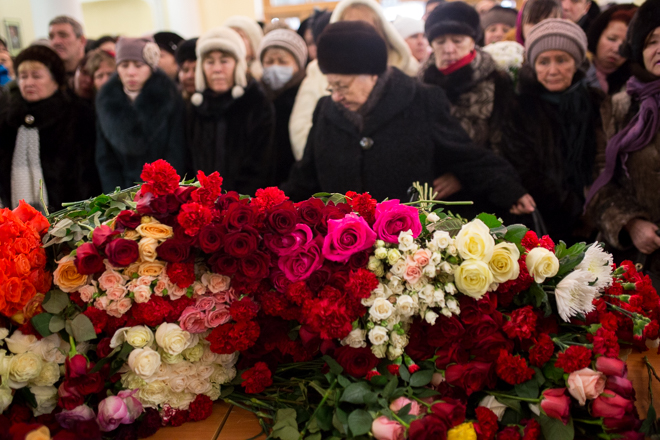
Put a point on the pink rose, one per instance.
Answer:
(347, 236)
(620, 385)
(556, 404)
(422, 257)
(199, 289)
(299, 266)
(117, 292)
(161, 285)
(133, 405)
(216, 282)
(87, 293)
(412, 272)
(393, 218)
(101, 302)
(144, 281)
(68, 419)
(611, 366)
(141, 294)
(175, 292)
(386, 429)
(218, 316)
(192, 320)
(112, 413)
(205, 303)
(398, 404)
(290, 243)
(110, 279)
(124, 305)
(585, 384)
(610, 404)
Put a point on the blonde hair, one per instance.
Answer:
(32, 65)
(95, 58)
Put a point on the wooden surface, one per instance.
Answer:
(639, 376)
(241, 425)
(208, 429)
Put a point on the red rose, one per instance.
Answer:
(509, 433)
(471, 377)
(486, 426)
(576, 357)
(452, 353)
(445, 330)
(181, 274)
(255, 265)
(69, 396)
(610, 404)
(201, 408)
(193, 217)
(488, 349)
(160, 178)
(227, 199)
(87, 429)
(629, 422)
(88, 260)
(257, 378)
(20, 414)
(556, 404)
(238, 216)
(150, 424)
(174, 250)
(532, 430)
(450, 411)
(211, 238)
(620, 385)
(429, 427)
(127, 220)
(484, 327)
(103, 234)
(359, 260)
(224, 264)
(243, 310)
(282, 218)
(541, 351)
(103, 348)
(240, 244)
(356, 362)
(98, 317)
(522, 323)
(122, 252)
(311, 211)
(513, 369)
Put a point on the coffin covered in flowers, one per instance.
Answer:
(335, 317)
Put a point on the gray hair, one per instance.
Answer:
(65, 19)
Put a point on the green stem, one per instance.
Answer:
(589, 422)
(258, 413)
(506, 396)
(325, 397)
(421, 401)
(437, 202)
(399, 420)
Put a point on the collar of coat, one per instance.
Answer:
(45, 112)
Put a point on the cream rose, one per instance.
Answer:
(355, 338)
(153, 394)
(181, 401)
(227, 360)
(144, 362)
(381, 310)
(474, 242)
(141, 294)
(430, 317)
(198, 386)
(50, 373)
(66, 275)
(172, 339)
(204, 371)
(378, 335)
(46, 398)
(19, 343)
(139, 336)
(147, 248)
(542, 264)
(393, 255)
(131, 234)
(440, 240)
(399, 268)
(215, 282)
(132, 270)
(407, 241)
(405, 305)
(23, 368)
(473, 277)
(504, 262)
(155, 230)
(379, 350)
(380, 253)
(586, 384)
(178, 383)
(6, 398)
(151, 268)
(222, 375)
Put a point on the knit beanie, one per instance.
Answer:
(46, 56)
(249, 26)
(556, 34)
(186, 51)
(351, 48)
(168, 41)
(288, 40)
(407, 27)
(643, 23)
(228, 41)
(138, 49)
(453, 18)
(498, 14)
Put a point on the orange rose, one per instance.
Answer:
(66, 275)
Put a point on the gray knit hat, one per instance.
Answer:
(499, 14)
(288, 40)
(138, 49)
(556, 34)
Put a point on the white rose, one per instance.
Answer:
(446, 312)
(379, 350)
(23, 368)
(394, 352)
(47, 348)
(436, 258)
(50, 373)
(19, 343)
(393, 320)
(432, 217)
(213, 393)
(446, 268)
(376, 266)
(183, 368)
(181, 401)
(198, 386)
(440, 240)
(381, 310)
(227, 360)
(439, 297)
(204, 371)
(222, 375)
(474, 241)
(430, 317)
(3, 333)
(453, 307)
(396, 285)
(144, 362)
(393, 255)
(426, 295)
(378, 335)
(494, 405)
(542, 264)
(429, 271)
(405, 305)
(452, 250)
(194, 353)
(397, 340)
(178, 383)
(6, 398)
(504, 262)
(208, 357)
(153, 394)
(46, 398)
(139, 336)
(119, 337)
(380, 253)
(450, 288)
(355, 339)
(172, 339)
(398, 268)
(473, 277)
(407, 241)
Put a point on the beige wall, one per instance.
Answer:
(118, 17)
(17, 10)
(215, 12)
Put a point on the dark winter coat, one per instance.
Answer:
(66, 144)
(555, 169)
(408, 136)
(130, 134)
(233, 137)
(283, 101)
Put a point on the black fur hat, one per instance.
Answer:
(453, 18)
(351, 48)
(46, 56)
(643, 23)
(186, 51)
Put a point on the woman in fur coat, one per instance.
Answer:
(140, 117)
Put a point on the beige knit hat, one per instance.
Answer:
(254, 34)
(556, 34)
(286, 39)
(226, 40)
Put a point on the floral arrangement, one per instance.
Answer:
(334, 317)
(508, 56)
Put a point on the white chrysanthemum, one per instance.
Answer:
(574, 294)
(599, 263)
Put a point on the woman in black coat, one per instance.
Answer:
(140, 117)
(229, 121)
(46, 134)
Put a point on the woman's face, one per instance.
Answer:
(351, 91)
(651, 52)
(35, 81)
(83, 83)
(495, 32)
(607, 52)
(103, 74)
(555, 70)
(133, 74)
(218, 70)
(450, 48)
(276, 56)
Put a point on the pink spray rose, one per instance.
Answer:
(611, 366)
(192, 320)
(556, 404)
(133, 405)
(218, 316)
(585, 384)
(399, 403)
(347, 236)
(610, 404)
(386, 429)
(393, 218)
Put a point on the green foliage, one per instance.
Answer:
(490, 220)
(55, 302)
(529, 389)
(359, 422)
(286, 426)
(555, 429)
(41, 323)
(421, 378)
(355, 392)
(82, 328)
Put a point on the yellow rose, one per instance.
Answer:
(24, 368)
(474, 242)
(151, 268)
(155, 230)
(473, 277)
(464, 431)
(66, 275)
(38, 434)
(131, 234)
(542, 264)
(504, 263)
(147, 248)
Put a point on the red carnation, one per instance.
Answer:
(327, 317)
(257, 378)
(576, 357)
(393, 369)
(98, 317)
(522, 323)
(363, 204)
(486, 425)
(150, 424)
(194, 217)
(211, 188)
(179, 418)
(298, 292)
(231, 337)
(153, 312)
(181, 274)
(243, 310)
(200, 408)
(266, 198)
(361, 283)
(513, 369)
(160, 178)
(531, 240)
(509, 433)
(532, 430)
(541, 351)
(606, 343)
(357, 362)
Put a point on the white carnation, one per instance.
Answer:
(599, 263)
(574, 294)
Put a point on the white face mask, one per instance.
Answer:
(277, 76)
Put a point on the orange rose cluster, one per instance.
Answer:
(22, 259)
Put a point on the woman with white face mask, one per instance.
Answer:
(283, 55)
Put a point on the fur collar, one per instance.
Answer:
(216, 106)
(45, 112)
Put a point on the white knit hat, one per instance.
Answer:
(407, 27)
(286, 39)
(226, 40)
(254, 34)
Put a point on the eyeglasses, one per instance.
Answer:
(339, 88)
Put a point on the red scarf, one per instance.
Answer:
(467, 59)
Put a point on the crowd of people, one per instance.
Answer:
(567, 143)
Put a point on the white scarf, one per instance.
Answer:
(26, 171)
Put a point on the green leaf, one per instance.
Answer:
(319, 195)
(335, 368)
(647, 425)
(379, 381)
(405, 410)
(540, 378)
(226, 391)
(426, 392)
(555, 428)
(490, 220)
(537, 295)
(450, 224)
(371, 398)
(324, 418)
(511, 403)
(529, 389)
(390, 387)
(359, 422)
(285, 433)
(55, 302)
(404, 373)
(56, 324)
(41, 323)
(355, 393)
(342, 421)
(553, 373)
(511, 417)
(28, 396)
(316, 436)
(83, 329)
(337, 198)
(421, 378)
(343, 381)
(515, 233)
